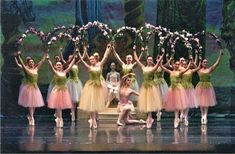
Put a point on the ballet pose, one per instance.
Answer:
(74, 85)
(113, 83)
(186, 82)
(128, 68)
(150, 99)
(176, 96)
(160, 81)
(125, 106)
(204, 90)
(95, 92)
(59, 98)
(30, 95)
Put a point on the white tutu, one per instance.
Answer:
(75, 88)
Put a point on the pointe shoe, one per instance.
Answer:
(176, 122)
(32, 122)
(57, 120)
(205, 121)
(181, 118)
(94, 124)
(90, 123)
(119, 123)
(29, 120)
(186, 122)
(159, 114)
(72, 116)
(202, 120)
(149, 123)
(61, 123)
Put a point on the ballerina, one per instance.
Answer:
(204, 90)
(128, 68)
(74, 85)
(186, 81)
(30, 96)
(95, 93)
(150, 99)
(59, 98)
(175, 99)
(160, 81)
(125, 106)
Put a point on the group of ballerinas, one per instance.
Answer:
(153, 95)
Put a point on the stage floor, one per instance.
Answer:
(16, 136)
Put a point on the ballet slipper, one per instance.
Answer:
(159, 116)
(149, 123)
(72, 116)
(205, 120)
(29, 120)
(57, 120)
(186, 122)
(90, 123)
(32, 121)
(61, 123)
(181, 117)
(119, 123)
(94, 124)
(176, 123)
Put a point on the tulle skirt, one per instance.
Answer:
(75, 88)
(30, 96)
(176, 99)
(127, 106)
(60, 99)
(205, 96)
(149, 99)
(49, 91)
(93, 97)
(191, 98)
(134, 86)
(164, 90)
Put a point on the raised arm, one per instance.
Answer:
(70, 64)
(85, 53)
(167, 64)
(20, 60)
(164, 68)
(61, 56)
(196, 57)
(158, 63)
(198, 67)
(213, 67)
(50, 63)
(79, 54)
(137, 59)
(140, 56)
(17, 63)
(185, 70)
(40, 63)
(106, 54)
(117, 56)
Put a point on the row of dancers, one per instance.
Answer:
(153, 95)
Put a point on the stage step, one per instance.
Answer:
(110, 114)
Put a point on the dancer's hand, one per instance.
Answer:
(221, 51)
(18, 53)
(134, 47)
(47, 56)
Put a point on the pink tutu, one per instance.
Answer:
(30, 96)
(175, 100)
(205, 96)
(60, 99)
(191, 98)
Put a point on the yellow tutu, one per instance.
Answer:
(150, 98)
(94, 94)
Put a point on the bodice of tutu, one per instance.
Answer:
(95, 77)
(175, 81)
(148, 78)
(123, 98)
(158, 77)
(126, 70)
(205, 80)
(73, 73)
(186, 80)
(60, 81)
(30, 78)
